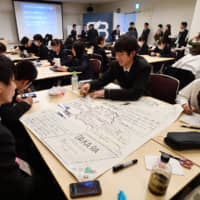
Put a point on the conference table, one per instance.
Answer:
(16, 57)
(133, 180)
(155, 59)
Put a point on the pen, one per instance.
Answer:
(192, 127)
(171, 156)
(122, 166)
(121, 195)
(189, 103)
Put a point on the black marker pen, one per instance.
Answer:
(122, 166)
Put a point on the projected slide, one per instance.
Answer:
(40, 18)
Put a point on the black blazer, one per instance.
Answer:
(84, 34)
(134, 84)
(115, 32)
(145, 34)
(182, 38)
(99, 50)
(81, 65)
(166, 52)
(92, 35)
(73, 34)
(166, 38)
(143, 50)
(133, 31)
(42, 52)
(62, 55)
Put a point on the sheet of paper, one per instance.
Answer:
(192, 120)
(176, 167)
(112, 86)
(90, 136)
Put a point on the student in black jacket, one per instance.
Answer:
(99, 49)
(143, 47)
(42, 49)
(132, 31)
(74, 32)
(84, 33)
(131, 72)
(166, 35)
(58, 52)
(69, 42)
(29, 46)
(80, 62)
(14, 184)
(116, 33)
(162, 50)
(182, 36)
(92, 34)
(146, 31)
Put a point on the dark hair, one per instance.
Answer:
(126, 43)
(161, 42)
(25, 70)
(146, 23)
(56, 42)
(74, 25)
(169, 28)
(2, 48)
(24, 40)
(6, 66)
(100, 39)
(91, 25)
(160, 25)
(38, 37)
(141, 39)
(132, 23)
(184, 24)
(49, 37)
(79, 48)
(118, 25)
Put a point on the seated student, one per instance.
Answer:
(130, 70)
(47, 40)
(69, 42)
(144, 49)
(42, 49)
(29, 46)
(58, 52)
(162, 50)
(189, 97)
(2, 49)
(80, 62)
(14, 183)
(99, 49)
(195, 45)
(24, 72)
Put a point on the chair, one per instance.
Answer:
(96, 67)
(96, 56)
(164, 87)
(69, 57)
(68, 52)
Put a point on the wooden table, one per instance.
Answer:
(155, 59)
(16, 57)
(133, 180)
(193, 155)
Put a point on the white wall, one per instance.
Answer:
(155, 12)
(72, 14)
(195, 27)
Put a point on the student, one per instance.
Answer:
(47, 40)
(99, 49)
(162, 50)
(189, 97)
(131, 71)
(74, 32)
(84, 33)
(195, 45)
(2, 49)
(69, 42)
(182, 35)
(146, 31)
(166, 35)
(116, 33)
(24, 73)
(29, 46)
(80, 62)
(143, 47)
(42, 49)
(159, 34)
(14, 183)
(132, 30)
(58, 52)
(92, 34)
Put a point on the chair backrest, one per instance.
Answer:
(68, 51)
(96, 56)
(164, 87)
(96, 66)
(69, 57)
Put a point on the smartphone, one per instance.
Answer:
(84, 189)
(23, 96)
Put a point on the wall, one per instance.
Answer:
(155, 12)
(72, 14)
(195, 27)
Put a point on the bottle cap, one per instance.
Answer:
(74, 73)
(164, 158)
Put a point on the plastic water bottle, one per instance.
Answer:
(74, 82)
(160, 176)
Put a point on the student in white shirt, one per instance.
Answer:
(190, 95)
